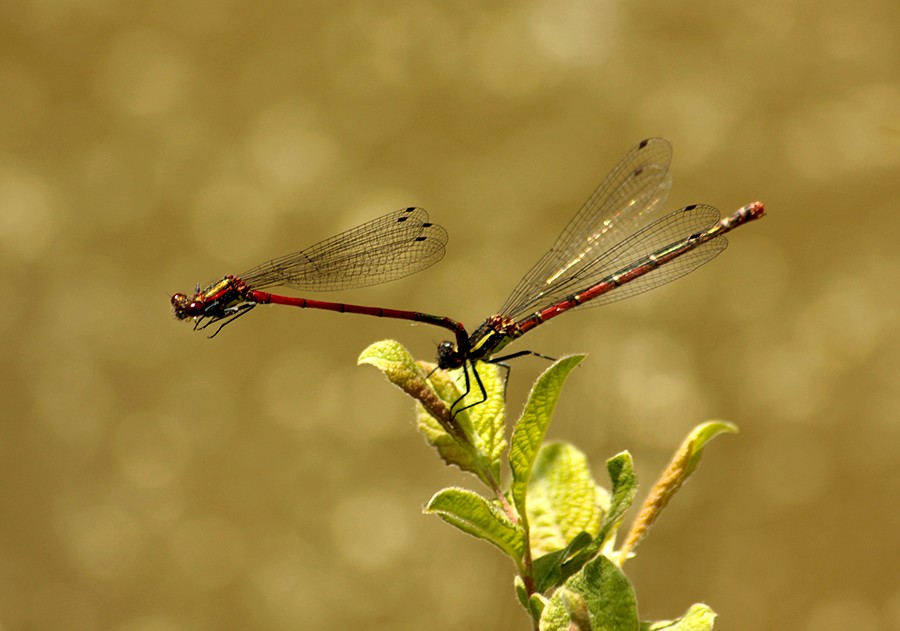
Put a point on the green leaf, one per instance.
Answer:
(601, 590)
(536, 606)
(531, 428)
(521, 591)
(552, 569)
(484, 425)
(479, 517)
(488, 419)
(533, 604)
(474, 439)
(698, 618)
(577, 610)
(680, 468)
(563, 499)
(392, 359)
(624, 488)
(454, 451)
(699, 437)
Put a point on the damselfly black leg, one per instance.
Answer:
(235, 313)
(500, 360)
(497, 361)
(465, 368)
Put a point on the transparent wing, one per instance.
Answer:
(384, 249)
(631, 195)
(668, 234)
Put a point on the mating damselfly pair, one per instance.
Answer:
(616, 246)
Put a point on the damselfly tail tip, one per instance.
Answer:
(754, 210)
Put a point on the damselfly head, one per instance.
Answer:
(184, 307)
(449, 356)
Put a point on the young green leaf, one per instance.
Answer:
(563, 499)
(680, 468)
(552, 569)
(536, 605)
(624, 487)
(698, 618)
(484, 425)
(392, 359)
(521, 591)
(472, 440)
(479, 517)
(395, 362)
(699, 437)
(607, 597)
(531, 428)
(488, 418)
(576, 608)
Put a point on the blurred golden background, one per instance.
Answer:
(156, 480)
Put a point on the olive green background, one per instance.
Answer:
(155, 480)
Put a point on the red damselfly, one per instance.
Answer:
(614, 248)
(384, 249)
(617, 246)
